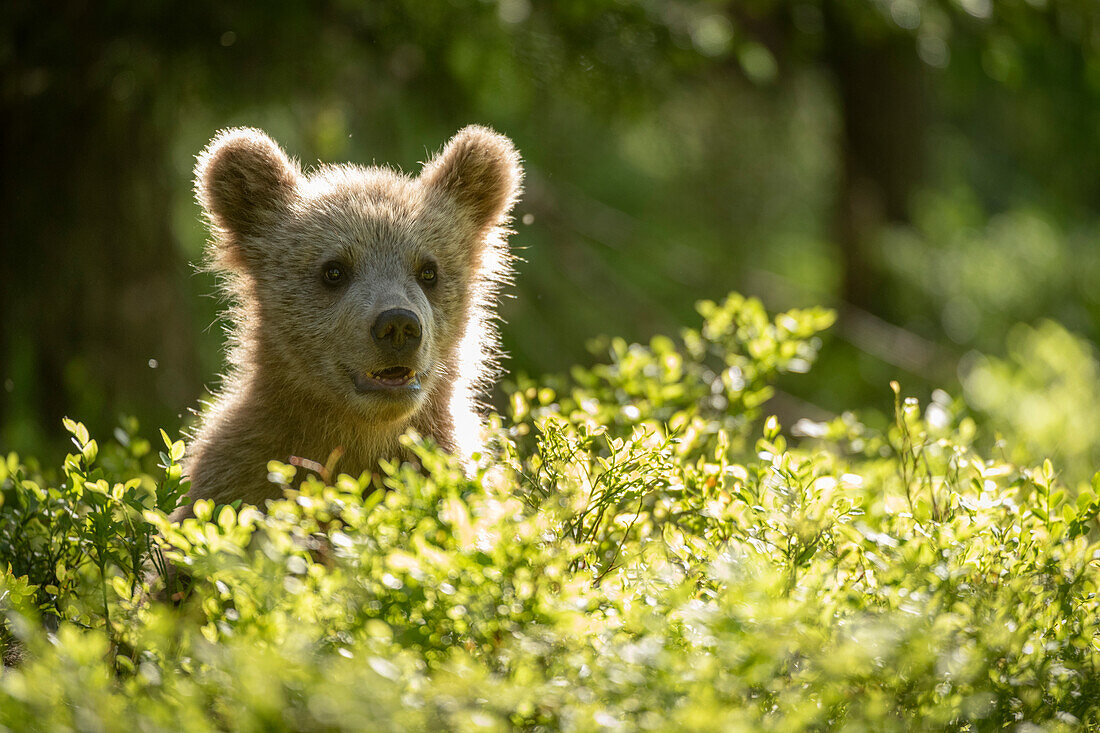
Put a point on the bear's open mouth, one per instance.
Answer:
(390, 378)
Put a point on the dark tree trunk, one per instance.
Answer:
(882, 89)
(90, 281)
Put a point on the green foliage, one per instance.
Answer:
(715, 379)
(640, 554)
(67, 539)
(1043, 395)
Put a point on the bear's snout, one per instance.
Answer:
(397, 331)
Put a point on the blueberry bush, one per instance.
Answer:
(641, 547)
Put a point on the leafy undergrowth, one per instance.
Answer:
(638, 551)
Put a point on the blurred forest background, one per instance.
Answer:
(927, 167)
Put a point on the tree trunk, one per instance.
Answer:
(882, 89)
(90, 273)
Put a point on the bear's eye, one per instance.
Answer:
(428, 274)
(333, 273)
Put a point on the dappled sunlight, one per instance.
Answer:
(861, 496)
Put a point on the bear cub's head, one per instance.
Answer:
(361, 287)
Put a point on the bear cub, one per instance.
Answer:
(362, 305)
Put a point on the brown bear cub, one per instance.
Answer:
(362, 305)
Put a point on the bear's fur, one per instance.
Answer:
(310, 261)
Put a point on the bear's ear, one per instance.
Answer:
(480, 169)
(243, 179)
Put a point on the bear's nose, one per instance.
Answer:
(397, 329)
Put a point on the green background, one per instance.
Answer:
(928, 168)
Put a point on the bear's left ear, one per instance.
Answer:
(480, 169)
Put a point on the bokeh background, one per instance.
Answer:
(929, 168)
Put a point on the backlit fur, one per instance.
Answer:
(296, 342)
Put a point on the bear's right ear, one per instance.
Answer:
(243, 180)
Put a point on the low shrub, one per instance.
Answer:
(639, 550)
